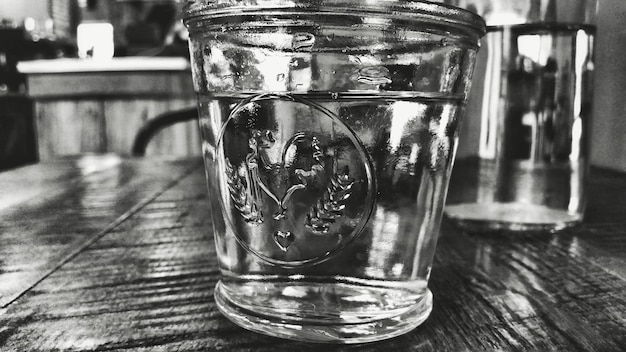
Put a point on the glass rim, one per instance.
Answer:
(412, 10)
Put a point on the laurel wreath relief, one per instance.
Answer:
(246, 187)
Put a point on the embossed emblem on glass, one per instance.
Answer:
(297, 189)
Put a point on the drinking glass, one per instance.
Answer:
(524, 150)
(329, 129)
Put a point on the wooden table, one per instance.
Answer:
(107, 254)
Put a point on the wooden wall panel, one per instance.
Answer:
(66, 127)
(92, 126)
(181, 139)
(101, 112)
(125, 117)
(123, 120)
(113, 84)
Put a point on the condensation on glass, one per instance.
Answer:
(329, 130)
(524, 147)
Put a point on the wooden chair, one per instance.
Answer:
(151, 127)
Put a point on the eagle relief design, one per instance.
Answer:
(298, 185)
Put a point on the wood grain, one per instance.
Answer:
(49, 211)
(112, 84)
(124, 118)
(146, 284)
(101, 112)
(67, 127)
(75, 126)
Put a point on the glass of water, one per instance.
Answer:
(329, 129)
(523, 157)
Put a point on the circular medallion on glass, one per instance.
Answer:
(299, 185)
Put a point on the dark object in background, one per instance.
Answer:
(152, 126)
(163, 17)
(154, 30)
(140, 35)
(18, 45)
(17, 132)
(12, 49)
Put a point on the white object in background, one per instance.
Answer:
(95, 40)
(116, 64)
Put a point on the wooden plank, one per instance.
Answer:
(91, 111)
(93, 137)
(70, 127)
(181, 139)
(147, 285)
(67, 127)
(60, 207)
(124, 118)
(111, 84)
(43, 181)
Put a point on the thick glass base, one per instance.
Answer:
(322, 323)
(477, 217)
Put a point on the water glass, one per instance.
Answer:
(329, 129)
(523, 156)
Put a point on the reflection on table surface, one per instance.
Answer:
(107, 253)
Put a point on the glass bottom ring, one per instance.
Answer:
(493, 217)
(323, 332)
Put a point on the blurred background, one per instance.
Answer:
(82, 76)
(608, 122)
(46, 29)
